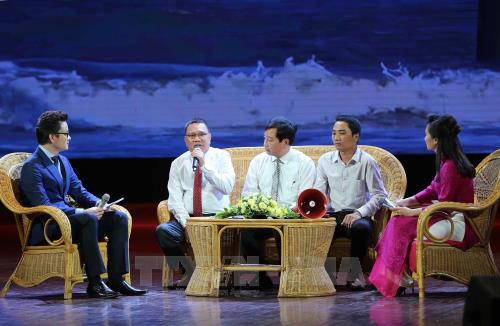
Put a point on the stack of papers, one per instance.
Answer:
(388, 203)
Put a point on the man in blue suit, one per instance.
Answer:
(47, 178)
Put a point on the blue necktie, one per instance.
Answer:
(59, 166)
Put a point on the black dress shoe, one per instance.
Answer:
(370, 287)
(401, 291)
(176, 286)
(125, 288)
(100, 290)
(180, 284)
(353, 286)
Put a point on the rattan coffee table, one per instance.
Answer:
(305, 245)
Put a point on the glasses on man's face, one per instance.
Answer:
(199, 135)
(63, 133)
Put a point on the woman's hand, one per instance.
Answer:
(407, 202)
(405, 211)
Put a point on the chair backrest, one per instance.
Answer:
(393, 173)
(10, 193)
(487, 193)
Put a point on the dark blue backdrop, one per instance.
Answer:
(130, 73)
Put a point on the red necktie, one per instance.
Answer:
(197, 208)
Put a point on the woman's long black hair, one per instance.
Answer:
(445, 129)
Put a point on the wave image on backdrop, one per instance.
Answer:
(130, 74)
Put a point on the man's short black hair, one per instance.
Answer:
(195, 120)
(284, 129)
(352, 122)
(48, 124)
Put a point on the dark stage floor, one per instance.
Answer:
(44, 304)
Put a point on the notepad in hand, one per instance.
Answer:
(107, 206)
(388, 203)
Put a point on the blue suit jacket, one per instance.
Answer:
(42, 184)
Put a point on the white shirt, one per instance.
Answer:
(297, 173)
(217, 184)
(356, 185)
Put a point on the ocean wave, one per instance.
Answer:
(131, 71)
(160, 95)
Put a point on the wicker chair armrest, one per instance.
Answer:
(163, 212)
(126, 212)
(55, 214)
(10, 202)
(446, 209)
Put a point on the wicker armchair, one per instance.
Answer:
(393, 176)
(167, 275)
(59, 258)
(229, 243)
(435, 257)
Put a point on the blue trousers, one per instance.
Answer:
(360, 234)
(86, 230)
(172, 241)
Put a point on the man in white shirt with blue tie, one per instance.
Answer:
(280, 172)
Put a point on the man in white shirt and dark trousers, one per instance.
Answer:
(199, 184)
(280, 172)
(351, 180)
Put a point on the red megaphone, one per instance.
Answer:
(311, 203)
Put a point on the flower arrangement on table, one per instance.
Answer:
(258, 206)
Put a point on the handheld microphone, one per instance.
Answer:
(195, 159)
(104, 200)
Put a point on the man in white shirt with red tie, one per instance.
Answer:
(199, 184)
